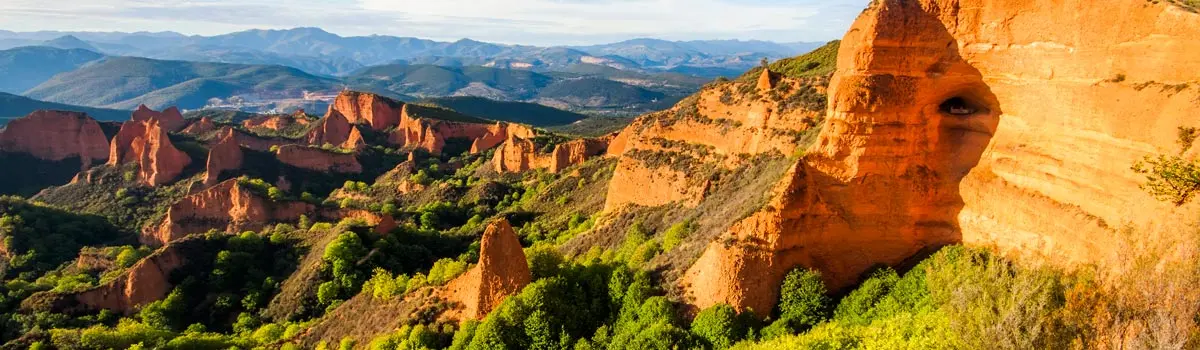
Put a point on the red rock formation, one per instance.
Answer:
(366, 108)
(227, 206)
(519, 154)
(223, 155)
(169, 118)
(56, 135)
(334, 129)
(498, 133)
(431, 134)
(313, 158)
(354, 141)
(967, 121)
(502, 271)
(144, 282)
(146, 143)
(276, 122)
(616, 147)
(576, 152)
(250, 141)
(383, 224)
(200, 127)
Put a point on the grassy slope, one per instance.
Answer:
(125, 82)
(13, 107)
(25, 67)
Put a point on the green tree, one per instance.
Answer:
(802, 299)
(719, 326)
(1169, 178)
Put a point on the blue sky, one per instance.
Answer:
(535, 22)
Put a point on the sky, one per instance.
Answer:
(531, 22)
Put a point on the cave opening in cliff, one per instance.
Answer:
(959, 106)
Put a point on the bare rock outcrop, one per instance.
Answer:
(502, 271)
(56, 135)
(169, 118)
(146, 281)
(366, 108)
(967, 121)
(419, 128)
(498, 133)
(275, 122)
(146, 143)
(313, 158)
(334, 129)
(251, 141)
(520, 154)
(223, 155)
(228, 206)
(200, 127)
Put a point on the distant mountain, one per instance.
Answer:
(319, 52)
(13, 107)
(23, 68)
(517, 112)
(69, 42)
(125, 82)
(603, 93)
(433, 81)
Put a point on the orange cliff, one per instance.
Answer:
(170, 118)
(276, 122)
(519, 154)
(313, 158)
(223, 155)
(146, 143)
(228, 206)
(146, 281)
(56, 135)
(418, 129)
(502, 271)
(200, 127)
(725, 124)
(966, 121)
(366, 108)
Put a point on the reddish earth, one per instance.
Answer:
(519, 154)
(502, 271)
(334, 129)
(145, 143)
(169, 118)
(313, 158)
(200, 127)
(223, 155)
(144, 282)
(275, 122)
(56, 135)
(366, 108)
(967, 121)
(228, 207)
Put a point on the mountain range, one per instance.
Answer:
(320, 52)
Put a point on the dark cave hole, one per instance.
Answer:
(959, 106)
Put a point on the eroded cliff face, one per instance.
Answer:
(223, 155)
(665, 156)
(169, 118)
(146, 143)
(1009, 123)
(275, 122)
(227, 206)
(56, 135)
(366, 108)
(333, 129)
(200, 127)
(146, 281)
(502, 271)
(313, 158)
(518, 154)
(430, 134)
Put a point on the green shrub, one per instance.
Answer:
(445, 270)
(1169, 178)
(719, 326)
(676, 234)
(802, 299)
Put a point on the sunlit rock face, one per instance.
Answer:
(1010, 124)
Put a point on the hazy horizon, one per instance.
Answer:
(524, 22)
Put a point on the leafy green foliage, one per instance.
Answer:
(39, 238)
(819, 62)
(720, 326)
(802, 299)
(1169, 178)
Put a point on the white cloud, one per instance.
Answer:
(541, 22)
